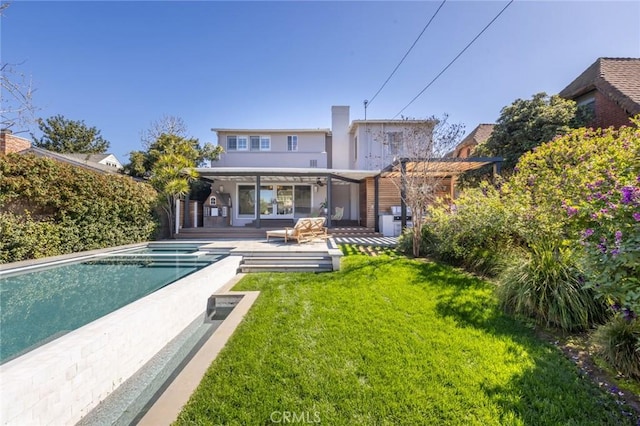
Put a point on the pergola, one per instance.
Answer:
(435, 167)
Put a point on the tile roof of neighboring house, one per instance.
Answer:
(72, 159)
(478, 135)
(93, 158)
(617, 78)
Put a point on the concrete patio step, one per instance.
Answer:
(293, 261)
(314, 267)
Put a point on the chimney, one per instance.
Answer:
(10, 143)
(340, 136)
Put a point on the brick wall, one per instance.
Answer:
(608, 113)
(10, 143)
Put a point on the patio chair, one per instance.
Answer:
(305, 229)
(339, 213)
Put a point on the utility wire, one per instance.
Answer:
(407, 54)
(455, 59)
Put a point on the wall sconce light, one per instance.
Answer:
(221, 188)
(315, 188)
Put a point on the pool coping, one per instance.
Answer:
(167, 407)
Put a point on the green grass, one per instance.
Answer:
(389, 340)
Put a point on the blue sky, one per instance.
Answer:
(121, 65)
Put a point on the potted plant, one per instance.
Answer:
(323, 206)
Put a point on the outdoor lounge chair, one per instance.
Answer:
(306, 229)
(339, 213)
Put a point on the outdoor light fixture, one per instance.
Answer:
(319, 182)
(221, 188)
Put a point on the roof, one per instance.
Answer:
(477, 136)
(356, 123)
(258, 131)
(290, 174)
(71, 159)
(440, 166)
(617, 78)
(94, 158)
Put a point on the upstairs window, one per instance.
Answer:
(243, 143)
(292, 143)
(394, 142)
(232, 143)
(255, 143)
(313, 163)
(265, 143)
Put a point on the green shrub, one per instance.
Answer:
(24, 238)
(52, 208)
(474, 233)
(618, 343)
(547, 285)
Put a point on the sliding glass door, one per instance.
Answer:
(277, 201)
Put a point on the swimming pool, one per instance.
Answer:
(39, 304)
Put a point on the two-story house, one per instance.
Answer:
(268, 174)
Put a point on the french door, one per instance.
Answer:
(283, 201)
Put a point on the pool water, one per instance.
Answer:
(42, 304)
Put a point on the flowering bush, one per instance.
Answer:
(611, 239)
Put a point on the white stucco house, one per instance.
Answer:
(268, 174)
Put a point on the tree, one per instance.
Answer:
(167, 124)
(69, 136)
(522, 126)
(169, 136)
(171, 175)
(16, 108)
(418, 173)
(169, 163)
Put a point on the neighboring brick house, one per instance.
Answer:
(103, 163)
(609, 89)
(477, 136)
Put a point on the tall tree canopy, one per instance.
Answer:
(522, 126)
(525, 124)
(69, 136)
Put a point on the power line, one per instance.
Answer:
(455, 59)
(406, 54)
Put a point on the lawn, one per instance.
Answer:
(389, 340)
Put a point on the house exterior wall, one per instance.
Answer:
(311, 146)
(10, 143)
(608, 113)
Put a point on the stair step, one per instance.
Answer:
(285, 268)
(286, 260)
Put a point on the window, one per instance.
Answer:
(292, 143)
(313, 163)
(265, 143)
(255, 143)
(355, 148)
(243, 143)
(246, 200)
(394, 142)
(232, 143)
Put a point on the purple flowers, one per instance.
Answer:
(628, 194)
(587, 233)
(636, 216)
(571, 211)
